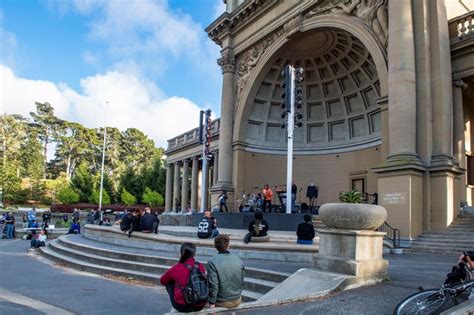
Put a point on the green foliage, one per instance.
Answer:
(131, 162)
(95, 197)
(83, 182)
(152, 198)
(67, 195)
(127, 198)
(352, 196)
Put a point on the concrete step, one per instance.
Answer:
(253, 288)
(445, 238)
(441, 245)
(161, 260)
(438, 249)
(165, 243)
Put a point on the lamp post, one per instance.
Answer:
(103, 157)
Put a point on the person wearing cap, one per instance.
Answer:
(305, 231)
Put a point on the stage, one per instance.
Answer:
(236, 220)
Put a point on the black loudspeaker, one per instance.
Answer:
(304, 207)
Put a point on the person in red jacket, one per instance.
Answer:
(176, 277)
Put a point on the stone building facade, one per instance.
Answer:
(388, 94)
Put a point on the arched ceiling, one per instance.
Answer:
(340, 91)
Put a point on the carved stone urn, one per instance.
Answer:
(352, 216)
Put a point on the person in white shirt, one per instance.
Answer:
(40, 240)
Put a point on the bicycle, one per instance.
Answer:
(434, 301)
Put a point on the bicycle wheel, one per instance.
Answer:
(426, 302)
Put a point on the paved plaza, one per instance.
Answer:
(32, 285)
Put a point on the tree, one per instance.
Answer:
(48, 127)
(152, 198)
(83, 182)
(95, 197)
(67, 195)
(127, 198)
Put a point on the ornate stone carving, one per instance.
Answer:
(373, 13)
(227, 61)
(249, 59)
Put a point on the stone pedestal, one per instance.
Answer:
(351, 252)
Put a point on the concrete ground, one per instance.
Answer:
(30, 286)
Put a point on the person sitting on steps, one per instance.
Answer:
(38, 240)
(149, 222)
(207, 227)
(305, 231)
(225, 275)
(258, 229)
(176, 278)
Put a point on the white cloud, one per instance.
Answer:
(219, 8)
(133, 102)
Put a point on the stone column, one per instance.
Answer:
(458, 122)
(401, 83)
(224, 176)
(215, 170)
(185, 186)
(194, 184)
(441, 88)
(169, 187)
(176, 185)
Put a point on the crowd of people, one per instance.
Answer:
(140, 221)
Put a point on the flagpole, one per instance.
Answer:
(103, 157)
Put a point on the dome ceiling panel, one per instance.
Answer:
(340, 91)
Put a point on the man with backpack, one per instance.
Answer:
(226, 276)
(186, 282)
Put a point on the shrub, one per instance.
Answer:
(352, 196)
(67, 195)
(95, 197)
(152, 198)
(127, 198)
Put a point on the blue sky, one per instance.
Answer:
(150, 59)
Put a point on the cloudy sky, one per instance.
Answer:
(150, 59)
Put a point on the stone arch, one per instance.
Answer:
(349, 24)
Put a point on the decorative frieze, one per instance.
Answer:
(373, 13)
(247, 61)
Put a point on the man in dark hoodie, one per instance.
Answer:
(149, 222)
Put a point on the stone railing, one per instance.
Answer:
(461, 27)
(192, 136)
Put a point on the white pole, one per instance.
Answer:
(290, 129)
(204, 182)
(103, 157)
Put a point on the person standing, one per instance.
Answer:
(10, 223)
(207, 227)
(223, 201)
(225, 275)
(305, 231)
(65, 217)
(176, 278)
(294, 191)
(267, 198)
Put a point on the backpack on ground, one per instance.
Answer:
(197, 288)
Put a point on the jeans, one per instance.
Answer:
(305, 242)
(214, 234)
(223, 205)
(269, 202)
(10, 231)
(155, 227)
(36, 244)
(180, 307)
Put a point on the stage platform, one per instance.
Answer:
(235, 220)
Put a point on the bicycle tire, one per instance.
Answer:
(427, 302)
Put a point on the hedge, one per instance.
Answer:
(90, 206)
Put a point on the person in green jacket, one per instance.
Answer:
(226, 276)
